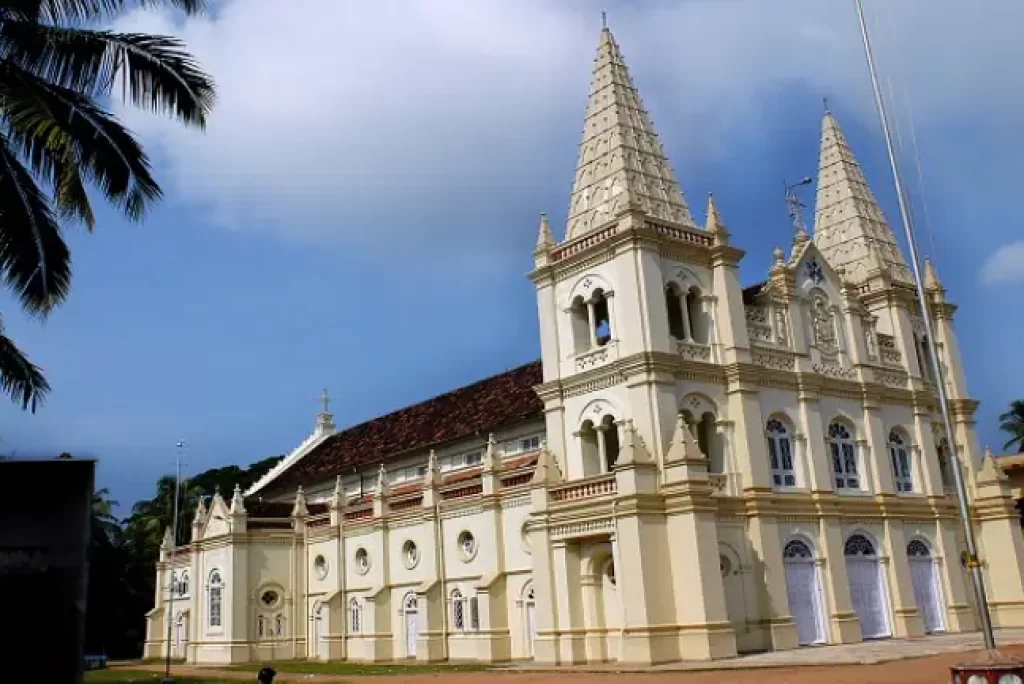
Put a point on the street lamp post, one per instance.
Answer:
(171, 585)
(933, 359)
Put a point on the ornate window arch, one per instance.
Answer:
(797, 550)
(781, 454)
(215, 598)
(183, 583)
(899, 459)
(918, 548)
(859, 545)
(410, 603)
(843, 453)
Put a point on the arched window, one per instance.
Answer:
(411, 603)
(602, 321)
(609, 573)
(705, 431)
(591, 321)
(216, 595)
(279, 625)
(899, 457)
(261, 627)
(600, 445)
(945, 463)
(474, 613)
(858, 545)
(674, 306)
(183, 583)
(695, 317)
(780, 454)
(458, 611)
(844, 457)
(355, 614)
(918, 549)
(797, 550)
(923, 356)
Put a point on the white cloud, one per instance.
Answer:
(1005, 266)
(437, 118)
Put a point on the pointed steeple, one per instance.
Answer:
(621, 164)
(299, 510)
(848, 223)
(168, 540)
(545, 238)
(237, 502)
(931, 278)
(714, 223)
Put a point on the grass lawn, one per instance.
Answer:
(361, 669)
(141, 677)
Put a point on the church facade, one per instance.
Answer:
(773, 452)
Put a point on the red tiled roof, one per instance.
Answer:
(485, 406)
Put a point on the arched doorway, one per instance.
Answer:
(735, 592)
(412, 625)
(866, 590)
(180, 646)
(926, 586)
(529, 619)
(320, 647)
(804, 592)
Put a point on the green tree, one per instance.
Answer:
(57, 139)
(1012, 423)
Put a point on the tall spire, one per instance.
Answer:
(848, 223)
(621, 163)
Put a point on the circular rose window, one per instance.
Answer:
(467, 545)
(410, 554)
(362, 561)
(270, 598)
(320, 567)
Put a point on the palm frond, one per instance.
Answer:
(19, 378)
(65, 11)
(155, 73)
(34, 259)
(64, 134)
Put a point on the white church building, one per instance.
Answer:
(772, 451)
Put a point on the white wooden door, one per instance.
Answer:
(805, 601)
(531, 627)
(867, 596)
(411, 632)
(926, 594)
(180, 636)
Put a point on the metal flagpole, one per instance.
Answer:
(174, 543)
(933, 358)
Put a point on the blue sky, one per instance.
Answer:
(361, 212)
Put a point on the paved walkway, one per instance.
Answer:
(863, 653)
(870, 662)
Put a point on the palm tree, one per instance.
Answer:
(1012, 422)
(57, 138)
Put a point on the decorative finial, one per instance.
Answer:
(545, 238)
(604, 19)
(780, 256)
(325, 399)
(824, 105)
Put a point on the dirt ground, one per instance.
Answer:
(926, 670)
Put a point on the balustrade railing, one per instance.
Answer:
(601, 485)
